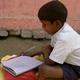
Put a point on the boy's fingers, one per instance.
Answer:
(24, 54)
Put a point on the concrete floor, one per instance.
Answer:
(15, 45)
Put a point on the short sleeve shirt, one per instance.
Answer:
(66, 43)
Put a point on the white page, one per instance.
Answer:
(22, 64)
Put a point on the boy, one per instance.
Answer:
(62, 56)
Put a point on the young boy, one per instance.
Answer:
(62, 56)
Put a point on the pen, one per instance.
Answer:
(33, 47)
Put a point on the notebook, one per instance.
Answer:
(21, 64)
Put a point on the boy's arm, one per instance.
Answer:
(45, 51)
(30, 53)
(49, 61)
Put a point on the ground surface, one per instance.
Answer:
(13, 45)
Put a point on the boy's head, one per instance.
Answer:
(52, 15)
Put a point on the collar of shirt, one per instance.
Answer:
(66, 27)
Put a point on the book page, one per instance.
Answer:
(22, 64)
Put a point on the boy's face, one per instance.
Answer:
(49, 27)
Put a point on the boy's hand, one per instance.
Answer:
(46, 50)
(30, 54)
(24, 54)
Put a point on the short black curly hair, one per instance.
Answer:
(53, 10)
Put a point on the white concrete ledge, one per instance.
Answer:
(38, 34)
(26, 33)
(14, 32)
(3, 33)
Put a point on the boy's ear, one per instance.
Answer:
(58, 23)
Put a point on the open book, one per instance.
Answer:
(20, 64)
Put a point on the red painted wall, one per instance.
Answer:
(23, 13)
(73, 12)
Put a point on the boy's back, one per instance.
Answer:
(67, 46)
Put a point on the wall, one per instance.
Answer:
(22, 14)
(73, 12)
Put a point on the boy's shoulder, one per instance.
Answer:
(66, 33)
